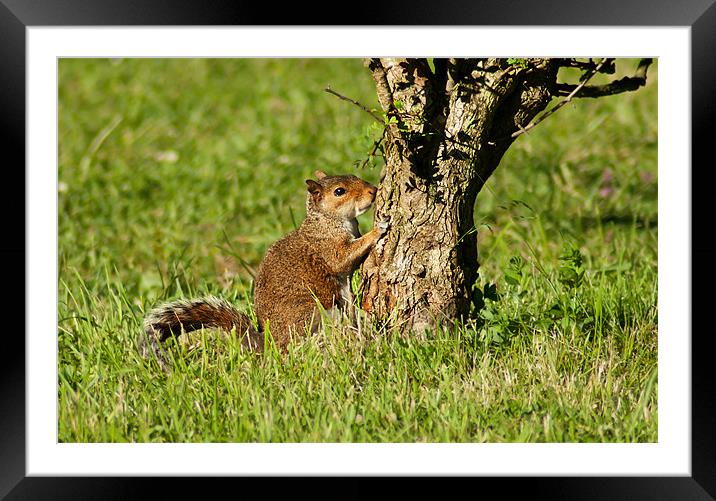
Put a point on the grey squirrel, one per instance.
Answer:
(313, 263)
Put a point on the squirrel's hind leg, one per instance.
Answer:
(293, 323)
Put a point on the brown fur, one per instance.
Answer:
(310, 265)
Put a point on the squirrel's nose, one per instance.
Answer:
(372, 190)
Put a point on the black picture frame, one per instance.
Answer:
(700, 15)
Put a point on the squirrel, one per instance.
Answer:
(312, 264)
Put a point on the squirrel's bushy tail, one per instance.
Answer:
(193, 314)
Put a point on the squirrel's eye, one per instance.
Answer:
(339, 192)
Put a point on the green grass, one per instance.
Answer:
(175, 176)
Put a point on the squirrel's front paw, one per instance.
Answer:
(383, 226)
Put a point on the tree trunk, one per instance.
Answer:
(448, 127)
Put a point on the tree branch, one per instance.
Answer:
(607, 68)
(564, 101)
(625, 84)
(345, 98)
(385, 96)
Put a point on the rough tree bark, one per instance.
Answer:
(447, 128)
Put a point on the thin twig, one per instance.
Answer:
(560, 104)
(345, 98)
(376, 144)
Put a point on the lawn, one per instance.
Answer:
(175, 175)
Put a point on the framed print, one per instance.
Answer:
(81, 82)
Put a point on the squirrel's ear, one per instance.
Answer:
(314, 189)
(320, 174)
